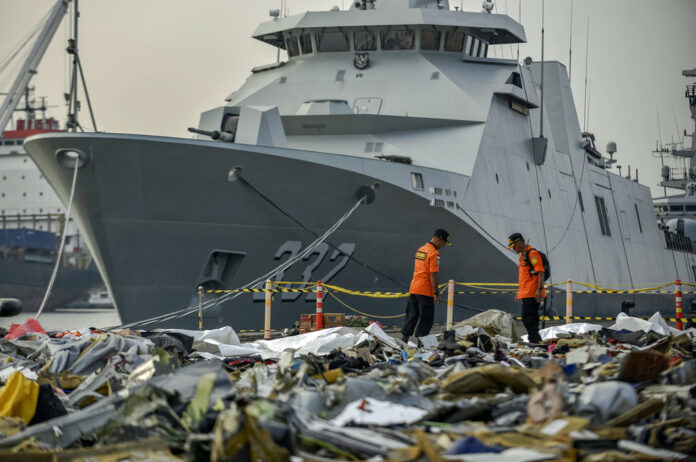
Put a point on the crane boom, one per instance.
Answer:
(31, 63)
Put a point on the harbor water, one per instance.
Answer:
(67, 319)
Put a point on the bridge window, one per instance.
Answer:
(398, 39)
(306, 44)
(640, 225)
(468, 45)
(417, 181)
(430, 39)
(332, 41)
(365, 40)
(484, 50)
(602, 214)
(475, 47)
(454, 41)
(291, 45)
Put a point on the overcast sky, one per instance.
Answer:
(153, 65)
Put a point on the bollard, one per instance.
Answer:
(569, 302)
(200, 307)
(450, 303)
(267, 317)
(320, 306)
(678, 300)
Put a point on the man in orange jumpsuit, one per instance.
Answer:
(531, 284)
(423, 292)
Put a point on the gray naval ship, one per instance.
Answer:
(401, 96)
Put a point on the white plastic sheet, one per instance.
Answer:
(509, 455)
(575, 328)
(494, 321)
(224, 342)
(376, 332)
(320, 342)
(371, 411)
(208, 340)
(655, 324)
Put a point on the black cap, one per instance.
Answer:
(442, 234)
(514, 237)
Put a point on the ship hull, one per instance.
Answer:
(27, 281)
(161, 218)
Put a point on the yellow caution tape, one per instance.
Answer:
(365, 314)
(496, 288)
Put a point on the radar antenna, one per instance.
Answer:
(73, 102)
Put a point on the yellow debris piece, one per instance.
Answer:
(18, 397)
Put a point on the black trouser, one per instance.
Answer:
(419, 306)
(530, 318)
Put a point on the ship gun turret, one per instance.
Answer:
(214, 134)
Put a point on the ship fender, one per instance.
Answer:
(10, 307)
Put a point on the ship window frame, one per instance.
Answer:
(603, 216)
(448, 37)
(468, 42)
(318, 37)
(640, 225)
(292, 52)
(438, 39)
(375, 40)
(399, 29)
(483, 50)
(475, 47)
(306, 39)
(417, 181)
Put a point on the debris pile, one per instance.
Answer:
(477, 392)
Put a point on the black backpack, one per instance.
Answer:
(544, 261)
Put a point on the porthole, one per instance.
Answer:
(24, 194)
(23, 177)
(40, 194)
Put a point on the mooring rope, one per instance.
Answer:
(62, 239)
(230, 296)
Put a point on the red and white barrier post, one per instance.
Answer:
(267, 317)
(678, 300)
(320, 306)
(450, 304)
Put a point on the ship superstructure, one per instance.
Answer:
(677, 213)
(399, 95)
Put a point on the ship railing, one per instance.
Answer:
(678, 242)
(691, 94)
